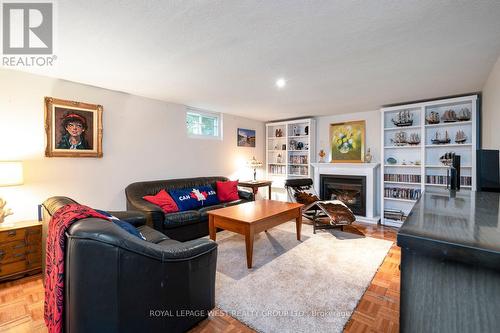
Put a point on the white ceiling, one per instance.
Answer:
(338, 56)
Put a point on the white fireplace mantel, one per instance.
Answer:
(369, 170)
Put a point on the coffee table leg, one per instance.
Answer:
(249, 246)
(298, 223)
(211, 227)
(269, 192)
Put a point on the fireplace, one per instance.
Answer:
(351, 190)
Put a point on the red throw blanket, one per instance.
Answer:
(54, 277)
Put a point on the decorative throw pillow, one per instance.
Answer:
(164, 201)
(122, 224)
(195, 197)
(227, 191)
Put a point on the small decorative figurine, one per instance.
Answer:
(279, 159)
(322, 155)
(392, 161)
(368, 156)
(4, 212)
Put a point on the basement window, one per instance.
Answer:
(203, 124)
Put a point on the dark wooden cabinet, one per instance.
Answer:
(20, 249)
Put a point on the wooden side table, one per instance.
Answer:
(254, 185)
(20, 249)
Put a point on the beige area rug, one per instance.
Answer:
(311, 285)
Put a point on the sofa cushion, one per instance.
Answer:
(163, 200)
(152, 235)
(227, 191)
(194, 197)
(178, 219)
(232, 203)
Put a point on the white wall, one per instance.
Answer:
(372, 140)
(143, 139)
(491, 109)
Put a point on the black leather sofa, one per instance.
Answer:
(184, 225)
(116, 282)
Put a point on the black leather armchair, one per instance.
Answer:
(184, 225)
(116, 282)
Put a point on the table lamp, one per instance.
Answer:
(253, 163)
(11, 173)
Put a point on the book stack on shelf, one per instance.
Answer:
(290, 146)
(419, 142)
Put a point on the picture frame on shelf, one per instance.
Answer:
(347, 142)
(73, 129)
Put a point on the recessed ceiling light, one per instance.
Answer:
(281, 83)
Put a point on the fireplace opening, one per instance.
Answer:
(351, 190)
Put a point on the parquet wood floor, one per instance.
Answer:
(21, 301)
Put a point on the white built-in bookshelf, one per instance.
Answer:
(409, 169)
(290, 146)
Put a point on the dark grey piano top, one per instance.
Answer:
(465, 228)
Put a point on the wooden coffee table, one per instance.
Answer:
(251, 218)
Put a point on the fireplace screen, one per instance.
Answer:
(351, 190)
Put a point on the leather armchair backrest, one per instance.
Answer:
(136, 191)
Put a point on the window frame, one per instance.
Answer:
(208, 114)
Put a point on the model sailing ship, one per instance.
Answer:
(403, 118)
(460, 137)
(439, 141)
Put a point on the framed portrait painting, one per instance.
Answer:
(73, 129)
(246, 137)
(347, 142)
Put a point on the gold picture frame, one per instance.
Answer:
(347, 142)
(73, 129)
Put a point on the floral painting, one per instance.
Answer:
(347, 142)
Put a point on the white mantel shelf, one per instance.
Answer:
(369, 170)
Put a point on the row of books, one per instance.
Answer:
(402, 178)
(298, 170)
(394, 214)
(443, 180)
(402, 193)
(297, 159)
(277, 169)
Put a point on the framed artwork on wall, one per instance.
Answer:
(73, 129)
(246, 137)
(347, 142)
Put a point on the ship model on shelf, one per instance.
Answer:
(449, 116)
(460, 137)
(433, 118)
(400, 139)
(447, 159)
(403, 118)
(441, 141)
(464, 114)
(414, 139)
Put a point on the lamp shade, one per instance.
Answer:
(11, 173)
(253, 163)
